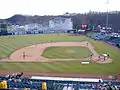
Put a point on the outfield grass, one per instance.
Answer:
(9, 44)
(66, 52)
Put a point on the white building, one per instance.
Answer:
(61, 24)
(55, 25)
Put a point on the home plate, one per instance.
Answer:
(85, 62)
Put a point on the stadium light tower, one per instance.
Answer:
(107, 17)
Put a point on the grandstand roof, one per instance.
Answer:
(66, 79)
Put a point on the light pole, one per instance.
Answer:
(107, 17)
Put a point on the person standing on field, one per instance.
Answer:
(99, 57)
(87, 43)
(91, 56)
(23, 55)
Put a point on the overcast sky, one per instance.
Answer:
(54, 7)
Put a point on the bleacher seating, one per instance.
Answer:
(99, 36)
(35, 84)
(114, 40)
(105, 37)
(60, 86)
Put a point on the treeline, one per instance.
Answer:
(96, 18)
(91, 18)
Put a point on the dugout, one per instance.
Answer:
(71, 31)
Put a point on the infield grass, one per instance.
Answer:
(66, 52)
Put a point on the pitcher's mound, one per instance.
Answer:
(70, 51)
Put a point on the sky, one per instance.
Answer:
(9, 8)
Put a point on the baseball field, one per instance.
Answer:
(56, 47)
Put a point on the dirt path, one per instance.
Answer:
(33, 53)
